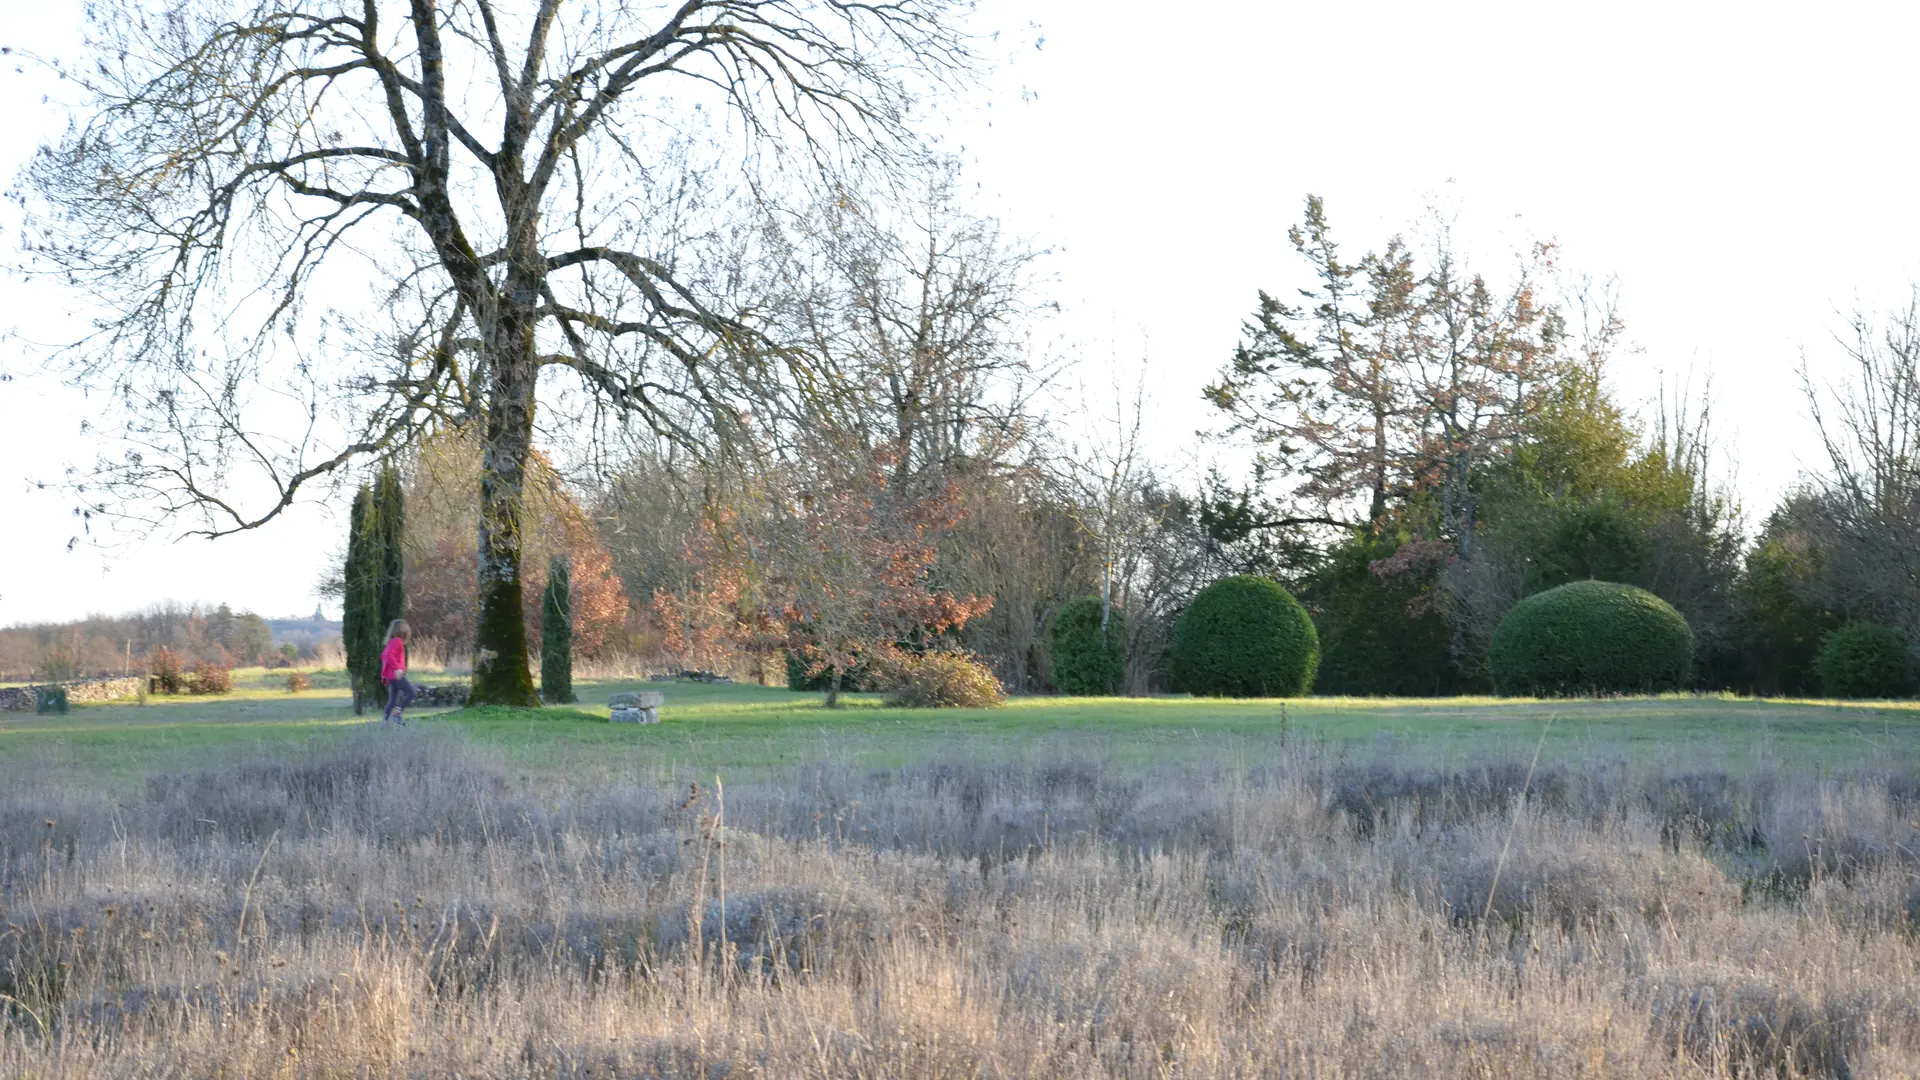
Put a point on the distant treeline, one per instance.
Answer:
(102, 644)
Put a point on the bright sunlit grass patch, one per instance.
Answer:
(735, 725)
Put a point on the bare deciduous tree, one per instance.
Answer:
(1865, 511)
(916, 312)
(524, 183)
(919, 310)
(1102, 480)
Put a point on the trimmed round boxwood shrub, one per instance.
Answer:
(1591, 637)
(1865, 660)
(1086, 661)
(1244, 636)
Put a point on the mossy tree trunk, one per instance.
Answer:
(556, 634)
(501, 675)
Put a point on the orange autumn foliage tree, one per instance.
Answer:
(715, 618)
(442, 550)
(857, 578)
(841, 573)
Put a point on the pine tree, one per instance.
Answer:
(220, 627)
(556, 635)
(360, 625)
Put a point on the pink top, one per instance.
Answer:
(393, 660)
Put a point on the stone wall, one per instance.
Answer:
(454, 694)
(27, 698)
(95, 690)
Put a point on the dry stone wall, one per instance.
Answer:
(95, 690)
(27, 698)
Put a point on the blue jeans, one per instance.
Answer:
(399, 696)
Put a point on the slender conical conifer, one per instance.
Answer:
(556, 634)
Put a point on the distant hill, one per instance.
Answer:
(302, 631)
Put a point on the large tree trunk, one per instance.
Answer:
(501, 672)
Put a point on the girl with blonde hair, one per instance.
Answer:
(393, 672)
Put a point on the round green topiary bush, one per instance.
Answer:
(1087, 661)
(1244, 636)
(1865, 660)
(1591, 637)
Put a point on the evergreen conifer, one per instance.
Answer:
(389, 527)
(360, 626)
(375, 585)
(556, 635)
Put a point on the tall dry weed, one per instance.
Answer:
(400, 903)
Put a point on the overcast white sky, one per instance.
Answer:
(1745, 170)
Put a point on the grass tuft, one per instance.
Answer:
(758, 886)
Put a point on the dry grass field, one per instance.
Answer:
(882, 895)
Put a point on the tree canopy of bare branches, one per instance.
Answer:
(918, 311)
(1863, 512)
(313, 228)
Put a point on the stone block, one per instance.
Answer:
(644, 699)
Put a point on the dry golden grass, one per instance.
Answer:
(401, 904)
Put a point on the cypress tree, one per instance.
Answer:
(360, 627)
(389, 529)
(556, 634)
(1087, 647)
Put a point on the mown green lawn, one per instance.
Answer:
(736, 727)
